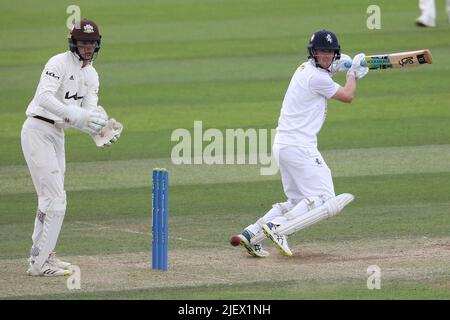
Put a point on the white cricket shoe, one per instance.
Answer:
(424, 21)
(48, 270)
(255, 250)
(280, 241)
(53, 259)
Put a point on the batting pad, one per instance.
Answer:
(329, 209)
(52, 226)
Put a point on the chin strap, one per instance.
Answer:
(78, 56)
(329, 69)
(313, 60)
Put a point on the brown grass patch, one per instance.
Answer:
(422, 259)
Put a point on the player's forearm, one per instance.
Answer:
(90, 100)
(48, 101)
(350, 87)
(346, 93)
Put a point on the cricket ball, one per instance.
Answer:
(235, 240)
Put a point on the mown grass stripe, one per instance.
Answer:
(103, 175)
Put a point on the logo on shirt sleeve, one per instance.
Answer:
(52, 74)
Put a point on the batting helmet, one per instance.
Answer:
(324, 39)
(88, 31)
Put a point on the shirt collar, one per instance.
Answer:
(319, 67)
(77, 61)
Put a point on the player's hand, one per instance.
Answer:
(356, 69)
(102, 110)
(90, 121)
(96, 121)
(109, 134)
(343, 64)
(113, 140)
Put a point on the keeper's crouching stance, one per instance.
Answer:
(65, 97)
(306, 178)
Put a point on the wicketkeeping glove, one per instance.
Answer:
(90, 121)
(109, 134)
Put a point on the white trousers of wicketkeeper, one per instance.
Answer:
(307, 183)
(43, 148)
(428, 11)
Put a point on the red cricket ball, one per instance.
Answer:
(235, 240)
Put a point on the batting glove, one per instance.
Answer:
(356, 69)
(343, 64)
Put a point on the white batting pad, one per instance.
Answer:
(52, 226)
(330, 208)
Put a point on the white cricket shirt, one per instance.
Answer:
(305, 106)
(64, 77)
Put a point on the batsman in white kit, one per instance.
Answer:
(306, 178)
(66, 96)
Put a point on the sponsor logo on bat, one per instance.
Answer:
(379, 60)
(406, 60)
(421, 58)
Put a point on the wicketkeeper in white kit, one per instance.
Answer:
(427, 16)
(306, 178)
(65, 97)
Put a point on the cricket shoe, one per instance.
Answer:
(53, 259)
(255, 250)
(48, 270)
(424, 21)
(280, 241)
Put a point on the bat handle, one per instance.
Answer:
(348, 64)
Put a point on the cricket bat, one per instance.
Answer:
(397, 60)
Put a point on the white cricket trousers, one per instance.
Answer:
(428, 10)
(43, 149)
(304, 172)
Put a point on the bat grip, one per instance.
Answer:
(348, 64)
